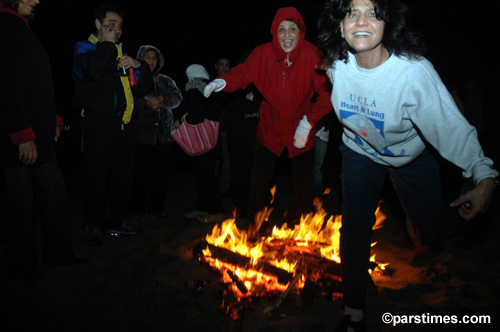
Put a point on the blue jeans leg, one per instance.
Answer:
(362, 183)
(418, 187)
(320, 149)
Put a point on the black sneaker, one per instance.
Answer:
(346, 323)
(125, 230)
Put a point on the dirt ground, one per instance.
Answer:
(153, 282)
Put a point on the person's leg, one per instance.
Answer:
(141, 179)
(51, 205)
(302, 200)
(418, 187)
(20, 226)
(262, 172)
(209, 196)
(362, 182)
(242, 177)
(120, 184)
(160, 174)
(320, 149)
(225, 173)
(99, 151)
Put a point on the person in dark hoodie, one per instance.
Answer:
(284, 72)
(29, 128)
(241, 123)
(155, 148)
(105, 95)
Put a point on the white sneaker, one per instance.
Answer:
(195, 214)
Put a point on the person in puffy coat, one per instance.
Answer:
(155, 148)
(295, 97)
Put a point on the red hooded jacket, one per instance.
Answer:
(288, 91)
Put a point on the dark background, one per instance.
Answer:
(458, 37)
(196, 32)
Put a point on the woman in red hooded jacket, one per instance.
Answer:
(296, 96)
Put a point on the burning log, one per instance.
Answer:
(307, 263)
(283, 296)
(307, 257)
(231, 257)
(241, 286)
(304, 257)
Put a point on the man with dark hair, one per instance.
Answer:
(101, 11)
(222, 65)
(107, 81)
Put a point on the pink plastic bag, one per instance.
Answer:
(197, 139)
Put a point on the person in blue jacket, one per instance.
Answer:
(105, 97)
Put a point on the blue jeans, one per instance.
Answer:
(417, 186)
(320, 150)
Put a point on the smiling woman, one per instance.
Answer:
(371, 52)
(283, 70)
(288, 35)
(363, 31)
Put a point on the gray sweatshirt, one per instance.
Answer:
(389, 111)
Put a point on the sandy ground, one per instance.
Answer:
(153, 282)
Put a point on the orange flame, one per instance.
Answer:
(312, 236)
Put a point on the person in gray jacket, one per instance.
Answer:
(154, 154)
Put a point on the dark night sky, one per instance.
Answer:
(189, 32)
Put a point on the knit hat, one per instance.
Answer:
(197, 71)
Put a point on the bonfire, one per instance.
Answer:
(280, 263)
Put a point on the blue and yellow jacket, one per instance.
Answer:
(100, 93)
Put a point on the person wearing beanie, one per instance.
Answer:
(194, 109)
(197, 71)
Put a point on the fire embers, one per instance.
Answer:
(297, 260)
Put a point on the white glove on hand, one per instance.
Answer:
(301, 133)
(216, 85)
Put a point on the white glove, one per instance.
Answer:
(301, 133)
(216, 85)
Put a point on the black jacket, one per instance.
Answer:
(99, 91)
(26, 91)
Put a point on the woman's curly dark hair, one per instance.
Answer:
(397, 34)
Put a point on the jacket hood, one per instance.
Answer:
(284, 14)
(144, 49)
